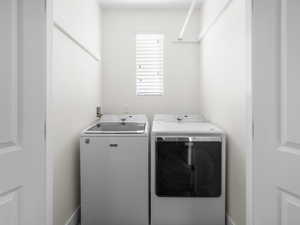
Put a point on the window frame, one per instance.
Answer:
(151, 57)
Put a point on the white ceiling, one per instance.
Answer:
(146, 3)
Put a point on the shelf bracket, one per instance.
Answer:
(187, 19)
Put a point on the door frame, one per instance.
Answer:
(249, 119)
(49, 153)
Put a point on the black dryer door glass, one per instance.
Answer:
(188, 168)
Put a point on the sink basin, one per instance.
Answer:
(117, 128)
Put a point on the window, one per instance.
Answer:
(149, 64)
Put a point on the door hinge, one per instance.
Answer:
(45, 130)
(45, 6)
(252, 130)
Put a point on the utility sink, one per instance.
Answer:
(117, 128)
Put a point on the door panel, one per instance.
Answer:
(8, 102)
(8, 78)
(290, 70)
(288, 155)
(22, 112)
(276, 110)
(9, 211)
(290, 209)
(10, 146)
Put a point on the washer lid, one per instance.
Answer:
(179, 117)
(118, 125)
(117, 128)
(124, 118)
(194, 124)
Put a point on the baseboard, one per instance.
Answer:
(229, 220)
(75, 218)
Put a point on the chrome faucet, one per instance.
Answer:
(181, 118)
(98, 112)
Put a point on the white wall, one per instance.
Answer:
(224, 87)
(181, 77)
(74, 93)
(81, 19)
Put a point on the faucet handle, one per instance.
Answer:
(179, 119)
(99, 112)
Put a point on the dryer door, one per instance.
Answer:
(188, 166)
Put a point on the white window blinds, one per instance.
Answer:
(149, 64)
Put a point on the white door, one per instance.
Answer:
(276, 112)
(22, 112)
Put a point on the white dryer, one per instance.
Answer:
(187, 171)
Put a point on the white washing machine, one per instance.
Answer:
(114, 171)
(187, 171)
